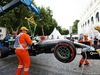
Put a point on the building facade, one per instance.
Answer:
(89, 19)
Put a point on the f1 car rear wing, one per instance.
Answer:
(15, 3)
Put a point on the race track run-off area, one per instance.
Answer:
(47, 64)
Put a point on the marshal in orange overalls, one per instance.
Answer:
(21, 51)
(84, 40)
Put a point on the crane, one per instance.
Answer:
(15, 3)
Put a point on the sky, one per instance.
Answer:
(65, 12)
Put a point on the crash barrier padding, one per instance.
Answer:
(90, 55)
(4, 52)
(71, 50)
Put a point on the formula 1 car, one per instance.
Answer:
(63, 50)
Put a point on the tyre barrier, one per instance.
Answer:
(4, 52)
(65, 52)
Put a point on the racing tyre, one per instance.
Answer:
(65, 52)
(4, 52)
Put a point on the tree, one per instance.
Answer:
(45, 22)
(65, 32)
(74, 27)
(45, 19)
(14, 18)
(59, 28)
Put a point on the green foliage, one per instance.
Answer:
(15, 18)
(65, 32)
(75, 26)
(45, 22)
(59, 28)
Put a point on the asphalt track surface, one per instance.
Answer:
(47, 64)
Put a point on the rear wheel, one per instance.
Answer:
(4, 52)
(65, 52)
(0, 53)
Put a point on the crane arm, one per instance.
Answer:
(15, 3)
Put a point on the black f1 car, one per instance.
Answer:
(64, 50)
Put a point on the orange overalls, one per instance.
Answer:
(22, 53)
(82, 60)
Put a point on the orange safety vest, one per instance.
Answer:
(21, 41)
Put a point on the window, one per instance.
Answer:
(97, 16)
(0, 30)
(85, 23)
(92, 20)
(88, 22)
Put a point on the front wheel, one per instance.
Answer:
(65, 52)
(4, 52)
